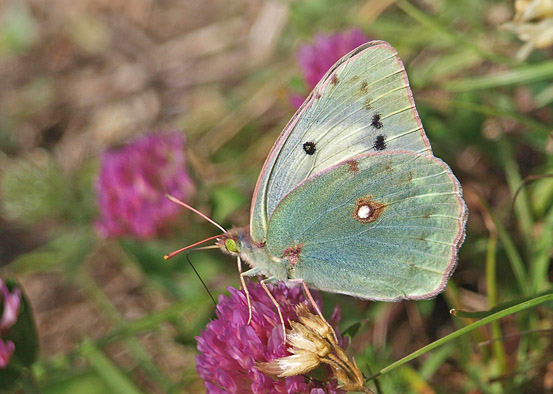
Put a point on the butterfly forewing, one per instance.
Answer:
(382, 226)
(363, 104)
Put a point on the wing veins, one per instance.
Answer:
(422, 253)
(339, 111)
(386, 284)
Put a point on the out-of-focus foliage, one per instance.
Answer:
(80, 78)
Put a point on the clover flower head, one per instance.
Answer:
(317, 58)
(10, 303)
(231, 349)
(6, 350)
(133, 182)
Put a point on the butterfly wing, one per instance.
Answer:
(363, 104)
(382, 226)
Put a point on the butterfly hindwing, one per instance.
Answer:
(382, 226)
(363, 104)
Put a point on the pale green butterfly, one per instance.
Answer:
(350, 199)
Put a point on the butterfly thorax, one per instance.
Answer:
(238, 242)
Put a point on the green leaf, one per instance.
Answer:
(353, 329)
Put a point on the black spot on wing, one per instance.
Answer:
(309, 148)
(376, 122)
(380, 142)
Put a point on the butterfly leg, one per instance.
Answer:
(310, 297)
(275, 302)
(243, 283)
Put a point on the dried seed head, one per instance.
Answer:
(314, 323)
(305, 344)
(296, 364)
(312, 343)
(303, 340)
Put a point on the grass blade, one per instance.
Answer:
(496, 316)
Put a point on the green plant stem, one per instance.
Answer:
(491, 285)
(514, 180)
(542, 255)
(498, 315)
(517, 265)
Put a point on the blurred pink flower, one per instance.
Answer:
(6, 350)
(133, 182)
(230, 347)
(317, 58)
(11, 303)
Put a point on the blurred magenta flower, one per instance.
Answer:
(230, 348)
(317, 58)
(133, 182)
(6, 350)
(10, 304)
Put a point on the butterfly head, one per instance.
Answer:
(238, 242)
(230, 243)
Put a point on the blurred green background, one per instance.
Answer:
(77, 78)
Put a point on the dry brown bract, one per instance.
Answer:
(533, 23)
(312, 343)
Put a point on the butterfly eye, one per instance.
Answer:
(231, 246)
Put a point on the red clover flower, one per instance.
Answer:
(231, 350)
(133, 182)
(317, 58)
(11, 302)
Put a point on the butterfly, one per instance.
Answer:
(351, 199)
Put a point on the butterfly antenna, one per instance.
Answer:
(198, 274)
(177, 201)
(176, 252)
